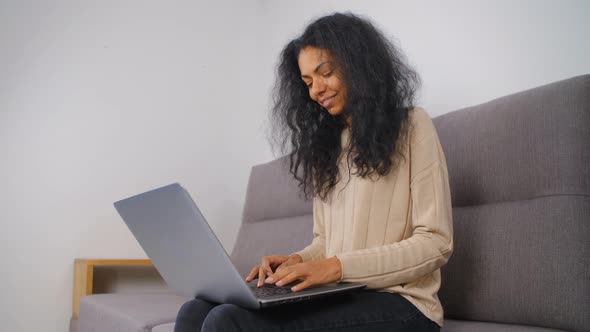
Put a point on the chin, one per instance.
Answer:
(335, 111)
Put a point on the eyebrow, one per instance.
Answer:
(317, 68)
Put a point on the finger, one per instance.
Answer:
(266, 267)
(289, 278)
(273, 261)
(277, 261)
(301, 286)
(289, 262)
(280, 267)
(278, 275)
(262, 271)
(261, 276)
(253, 273)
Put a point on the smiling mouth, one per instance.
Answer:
(328, 102)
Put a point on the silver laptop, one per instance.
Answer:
(174, 234)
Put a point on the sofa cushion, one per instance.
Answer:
(273, 193)
(268, 237)
(277, 219)
(452, 325)
(523, 262)
(530, 144)
(128, 312)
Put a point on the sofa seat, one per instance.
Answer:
(157, 312)
(452, 325)
(164, 328)
(129, 312)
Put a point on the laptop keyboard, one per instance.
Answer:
(270, 290)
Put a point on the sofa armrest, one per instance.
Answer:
(84, 276)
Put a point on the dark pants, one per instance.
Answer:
(362, 310)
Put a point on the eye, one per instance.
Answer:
(328, 74)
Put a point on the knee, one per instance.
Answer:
(193, 307)
(224, 317)
(191, 315)
(185, 309)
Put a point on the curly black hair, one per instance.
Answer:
(381, 89)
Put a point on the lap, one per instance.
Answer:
(363, 310)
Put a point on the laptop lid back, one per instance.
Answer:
(175, 235)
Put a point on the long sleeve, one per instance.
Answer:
(430, 241)
(317, 249)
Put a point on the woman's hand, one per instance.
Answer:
(311, 273)
(293, 259)
(269, 263)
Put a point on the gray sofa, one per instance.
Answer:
(519, 169)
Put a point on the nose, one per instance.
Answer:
(317, 89)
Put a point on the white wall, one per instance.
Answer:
(101, 100)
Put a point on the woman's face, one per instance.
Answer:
(323, 79)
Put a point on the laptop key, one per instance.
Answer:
(270, 290)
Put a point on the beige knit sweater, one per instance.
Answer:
(395, 233)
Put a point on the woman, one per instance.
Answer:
(372, 162)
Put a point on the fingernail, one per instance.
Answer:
(294, 288)
(269, 280)
(280, 283)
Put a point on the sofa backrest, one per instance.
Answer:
(276, 218)
(519, 170)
